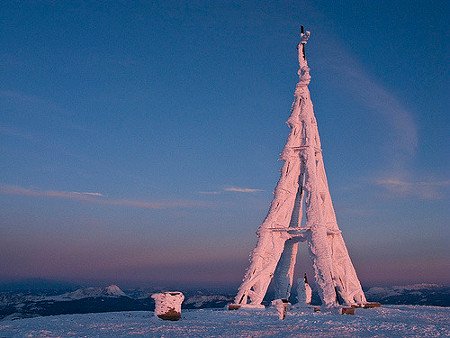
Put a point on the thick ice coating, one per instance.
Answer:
(301, 210)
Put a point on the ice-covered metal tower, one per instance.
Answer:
(301, 192)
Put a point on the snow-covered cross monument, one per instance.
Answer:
(301, 192)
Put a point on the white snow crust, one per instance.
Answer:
(387, 321)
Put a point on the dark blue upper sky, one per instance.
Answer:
(139, 140)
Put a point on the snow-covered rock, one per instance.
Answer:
(168, 305)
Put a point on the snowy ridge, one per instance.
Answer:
(90, 292)
(397, 290)
(199, 301)
(420, 286)
(421, 294)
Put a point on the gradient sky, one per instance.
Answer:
(139, 141)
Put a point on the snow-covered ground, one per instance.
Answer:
(387, 321)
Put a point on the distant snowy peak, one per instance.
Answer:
(114, 290)
(93, 292)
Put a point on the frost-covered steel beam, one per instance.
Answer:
(302, 185)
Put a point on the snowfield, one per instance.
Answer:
(387, 321)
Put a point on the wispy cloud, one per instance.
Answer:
(96, 194)
(209, 192)
(400, 142)
(428, 190)
(231, 189)
(381, 102)
(98, 198)
(242, 190)
(75, 195)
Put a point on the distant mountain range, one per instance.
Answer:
(16, 305)
(22, 304)
(416, 294)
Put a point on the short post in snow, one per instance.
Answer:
(304, 292)
(168, 305)
(282, 306)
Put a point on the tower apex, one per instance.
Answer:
(304, 35)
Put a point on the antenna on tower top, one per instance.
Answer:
(304, 36)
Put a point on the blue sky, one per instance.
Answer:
(140, 140)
